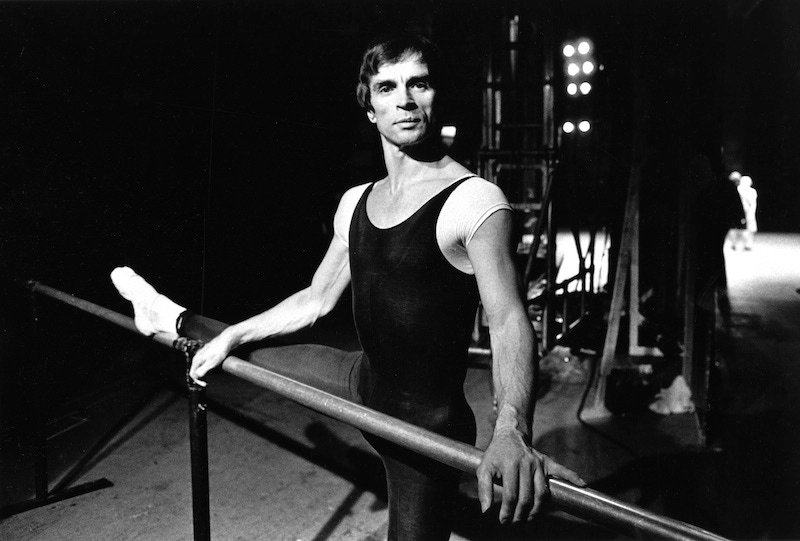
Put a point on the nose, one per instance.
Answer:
(406, 100)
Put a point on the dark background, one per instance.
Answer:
(206, 144)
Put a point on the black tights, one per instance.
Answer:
(421, 491)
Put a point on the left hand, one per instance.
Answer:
(523, 472)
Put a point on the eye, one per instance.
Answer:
(422, 85)
(384, 89)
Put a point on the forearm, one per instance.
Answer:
(514, 373)
(509, 457)
(295, 313)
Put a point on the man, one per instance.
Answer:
(419, 248)
(749, 198)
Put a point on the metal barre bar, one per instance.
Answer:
(584, 503)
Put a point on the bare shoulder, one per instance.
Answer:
(452, 168)
(355, 192)
(345, 210)
(350, 197)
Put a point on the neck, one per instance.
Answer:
(420, 162)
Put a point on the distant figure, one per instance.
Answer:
(735, 229)
(749, 198)
(719, 214)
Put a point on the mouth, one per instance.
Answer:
(407, 121)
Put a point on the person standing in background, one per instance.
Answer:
(749, 197)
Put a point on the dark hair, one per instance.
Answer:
(393, 49)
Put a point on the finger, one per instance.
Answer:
(557, 470)
(203, 368)
(197, 362)
(526, 488)
(196, 379)
(205, 363)
(541, 491)
(485, 489)
(510, 494)
(196, 371)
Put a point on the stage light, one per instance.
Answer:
(579, 67)
(448, 134)
(448, 131)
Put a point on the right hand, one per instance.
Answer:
(210, 356)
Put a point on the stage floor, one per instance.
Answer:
(281, 472)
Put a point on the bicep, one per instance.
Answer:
(490, 254)
(333, 274)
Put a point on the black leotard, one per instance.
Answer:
(414, 314)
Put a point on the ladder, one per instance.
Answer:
(518, 144)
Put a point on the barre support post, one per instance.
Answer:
(40, 410)
(198, 442)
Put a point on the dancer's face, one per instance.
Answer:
(402, 101)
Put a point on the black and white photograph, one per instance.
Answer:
(399, 270)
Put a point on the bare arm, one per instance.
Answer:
(513, 340)
(510, 457)
(296, 312)
(302, 309)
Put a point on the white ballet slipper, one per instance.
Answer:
(153, 312)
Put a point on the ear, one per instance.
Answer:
(371, 116)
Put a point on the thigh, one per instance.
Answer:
(328, 369)
(199, 327)
(421, 492)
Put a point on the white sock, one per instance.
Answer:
(153, 312)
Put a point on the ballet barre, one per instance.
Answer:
(581, 502)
